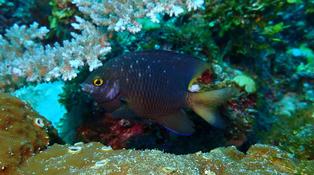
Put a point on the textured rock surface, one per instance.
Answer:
(22, 133)
(294, 134)
(94, 158)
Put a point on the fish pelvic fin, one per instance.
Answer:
(124, 112)
(205, 103)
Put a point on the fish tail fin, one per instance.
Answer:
(205, 104)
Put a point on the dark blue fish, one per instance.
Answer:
(154, 85)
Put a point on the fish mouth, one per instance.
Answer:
(104, 95)
(86, 87)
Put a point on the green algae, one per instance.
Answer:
(62, 13)
(246, 82)
(294, 134)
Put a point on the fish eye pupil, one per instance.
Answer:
(98, 82)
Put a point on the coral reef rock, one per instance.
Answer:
(109, 131)
(294, 134)
(22, 133)
(95, 158)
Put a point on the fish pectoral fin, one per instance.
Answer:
(178, 123)
(124, 112)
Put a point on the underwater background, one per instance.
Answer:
(263, 50)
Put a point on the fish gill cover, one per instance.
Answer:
(230, 84)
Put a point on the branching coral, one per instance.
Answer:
(25, 59)
(122, 14)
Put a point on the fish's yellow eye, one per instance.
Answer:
(98, 82)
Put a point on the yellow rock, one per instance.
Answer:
(92, 160)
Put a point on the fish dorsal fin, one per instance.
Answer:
(178, 123)
(205, 103)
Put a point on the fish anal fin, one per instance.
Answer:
(178, 123)
(210, 115)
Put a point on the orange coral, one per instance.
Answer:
(22, 133)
